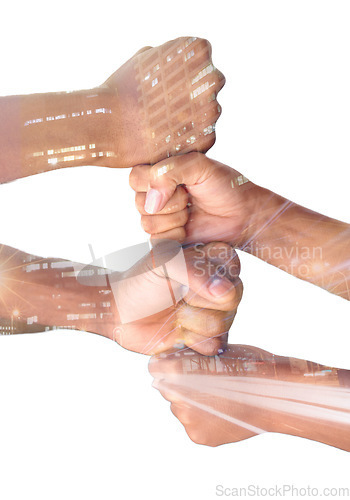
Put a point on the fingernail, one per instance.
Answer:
(153, 201)
(220, 286)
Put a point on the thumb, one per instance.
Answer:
(213, 276)
(165, 176)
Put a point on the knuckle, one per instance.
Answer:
(133, 179)
(195, 435)
(147, 223)
(207, 45)
(178, 234)
(215, 109)
(234, 266)
(216, 78)
(239, 290)
(156, 172)
(139, 202)
(153, 171)
(235, 295)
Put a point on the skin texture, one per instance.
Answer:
(225, 206)
(247, 391)
(161, 102)
(38, 294)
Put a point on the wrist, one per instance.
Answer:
(66, 129)
(256, 206)
(263, 220)
(84, 136)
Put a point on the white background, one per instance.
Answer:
(78, 416)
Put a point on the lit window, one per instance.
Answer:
(87, 272)
(72, 317)
(60, 117)
(88, 316)
(189, 55)
(50, 151)
(75, 114)
(206, 71)
(61, 264)
(68, 150)
(147, 76)
(199, 90)
(105, 315)
(32, 267)
(50, 118)
(92, 146)
(154, 82)
(45, 265)
(39, 153)
(241, 180)
(52, 161)
(189, 41)
(89, 112)
(35, 120)
(168, 59)
(69, 274)
(191, 140)
(31, 320)
(102, 271)
(103, 110)
(209, 130)
(94, 155)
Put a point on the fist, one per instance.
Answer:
(165, 98)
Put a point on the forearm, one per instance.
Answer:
(320, 408)
(39, 294)
(246, 391)
(301, 242)
(42, 132)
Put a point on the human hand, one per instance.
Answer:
(165, 102)
(200, 319)
(167, 298)
(222, 201)
(212, 396)
(246, 391)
